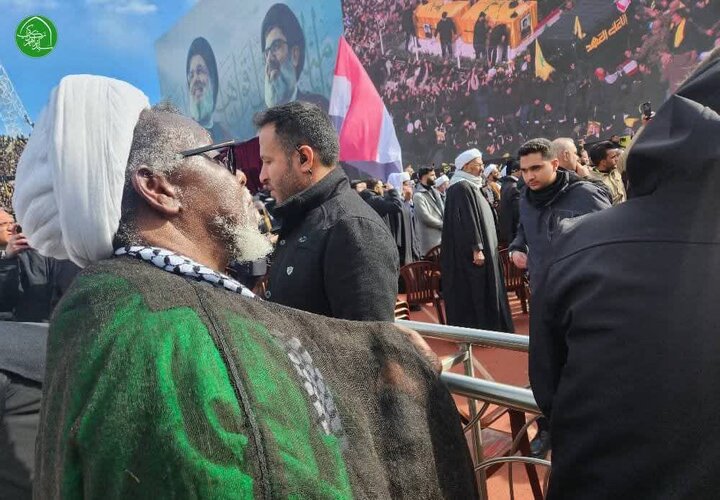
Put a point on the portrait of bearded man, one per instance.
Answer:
(203, 83)
(283, 46)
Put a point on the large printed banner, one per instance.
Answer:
(491, 74)
(228, 59)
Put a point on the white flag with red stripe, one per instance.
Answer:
(622, 5)
(630, 67)
(366, 130)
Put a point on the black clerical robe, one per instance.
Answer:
(475, 296)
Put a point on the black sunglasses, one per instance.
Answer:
(225, 156)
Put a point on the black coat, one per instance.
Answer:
(400, 221)
(335, 256)
(475, 297)
(385, 206)
(509, 212)
(538, 224)
(624, 344)
(31, 285)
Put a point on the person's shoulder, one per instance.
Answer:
(462, 186)
(588, 186)
(348, 207)
(600, 228)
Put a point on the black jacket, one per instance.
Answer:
(538, 224)
(334, 256)
(385, 206)
(624, 347)
(31, 285)
(509, 211)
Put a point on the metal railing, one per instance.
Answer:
(487, 338)
(487, 391)
(510, 396)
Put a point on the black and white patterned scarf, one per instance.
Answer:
(321, 399)
(179, 264)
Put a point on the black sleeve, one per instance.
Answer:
(391, 203)
(9, 284)
(548, 349)
(515, 201)
(361, 271)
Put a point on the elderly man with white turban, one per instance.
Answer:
(167, 378)
(473, 286)
(403, 224)
(492, 187)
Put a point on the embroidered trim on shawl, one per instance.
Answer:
(312, 380)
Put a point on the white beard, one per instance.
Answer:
(201, 111)
(243, 241)
(281, 89)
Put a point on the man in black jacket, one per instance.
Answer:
(624, 347)
(30, 284)
(480, 36)
(385, 202)
(334, 255)
(550, 195)
(509, 212)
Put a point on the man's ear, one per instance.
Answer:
(307, 158)
(157, 191)
(555, 163)
(295, 56)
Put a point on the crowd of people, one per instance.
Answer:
(166, 373)
(10, 150)
(441, 109)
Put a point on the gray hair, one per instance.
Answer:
(157, 138)
(562, 144)
(155, 143)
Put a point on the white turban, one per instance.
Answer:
(441, 180)
(396, 179)
(466, 156)
(70, 178)
(490, 169)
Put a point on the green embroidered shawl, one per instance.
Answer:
(161, 387)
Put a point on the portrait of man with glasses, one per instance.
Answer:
(283, 45)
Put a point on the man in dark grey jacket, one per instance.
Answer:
(509, 212)
(549, 196)
(334, 255)
(429, 210)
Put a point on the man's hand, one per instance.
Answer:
(519, 259)
(416, 340)
(582, 171)
(17, 244)
(478, 258)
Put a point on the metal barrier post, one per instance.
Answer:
(476, 430)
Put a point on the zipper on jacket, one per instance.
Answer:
(219, 338)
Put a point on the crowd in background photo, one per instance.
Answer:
(440, 109)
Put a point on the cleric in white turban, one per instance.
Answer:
(473, 286)
(166, 377)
